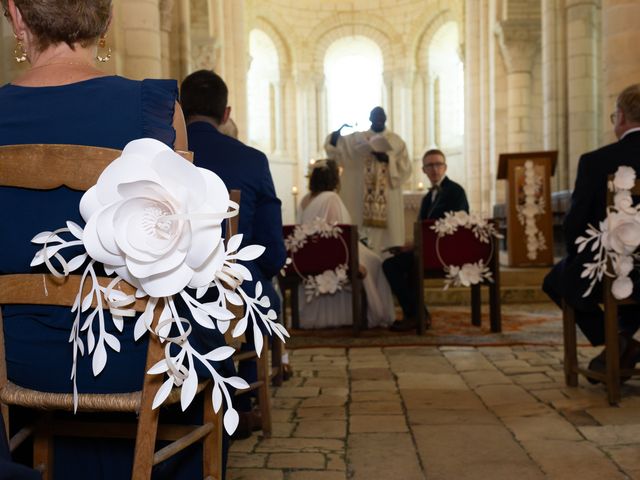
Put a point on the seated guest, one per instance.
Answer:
(323, 202)
(445, 195)
(588, 207)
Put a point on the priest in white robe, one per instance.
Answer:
(375, 165)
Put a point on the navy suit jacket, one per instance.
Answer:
(451, 197)
(589, 197)
(246, 169)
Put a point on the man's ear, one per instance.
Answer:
(16, 20)
(225, 115)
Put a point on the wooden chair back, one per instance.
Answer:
(321, 254)
(431, 255)
(44, 167)
(612, 374)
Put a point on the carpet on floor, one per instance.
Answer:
(522, 324)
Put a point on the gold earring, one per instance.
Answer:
(19, 52)
(102, 43)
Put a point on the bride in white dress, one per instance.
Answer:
(333, 310)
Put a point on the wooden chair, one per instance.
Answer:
(316, 256)
(612, 375)
(457, 249)
(78, 167)
(264, 373)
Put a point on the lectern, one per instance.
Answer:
(528, 202)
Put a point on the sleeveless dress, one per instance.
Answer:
(335, 310)
(106, 112)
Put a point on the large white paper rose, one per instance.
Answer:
(622, 287)
(624, 178)
(623, 233)
(155, 219)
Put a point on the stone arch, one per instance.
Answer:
(423, 41)
(282, 46)
(344, 25)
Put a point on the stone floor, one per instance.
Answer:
(441, 413)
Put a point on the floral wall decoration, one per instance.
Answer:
(329, 281)
(471, 273)
(154, 220)
(616, 239)
(530, 206)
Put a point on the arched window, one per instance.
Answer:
(263, 74)
(447, 72)
(353, 75)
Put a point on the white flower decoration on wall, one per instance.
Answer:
(329, 281)
(469, 273)
(616, 240)
(154, 220)
(533, 206)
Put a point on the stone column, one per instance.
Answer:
(553, 87)
(166, 17)
(620, 52)
(519, 42)
(139, 21)
(582, 19)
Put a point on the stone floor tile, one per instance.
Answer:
(376, 408)
(627, 457)
(375, 396)
(521, 409)
(542, 427)
(473, 452)
(284, 403)
(477, 378)
(244, 445)
(615, 416)
(377, 423)
(243, 460)
(370, 374)
(569, 459)
(297, 461)
(310, 352)
(416, 364)
(321, 429)
(438, 416)
(446, 399)
(297, 392)
(317, 413)
(327, 382)
(283, 445)
(383, 456)
(324, 401)
(254, 474)
(373, 385)
(431, 381)
(310, 475)
(527, 369)
(612, 434)
(336, 373)
(282, 429)
(530, 378)
(548, 396)
(336, 462)
(281, 414)
(335, 391)
(494, 395)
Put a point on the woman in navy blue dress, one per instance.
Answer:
(64, 98)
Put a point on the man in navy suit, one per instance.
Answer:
(204, 98)
(445, 195)
(588, 207)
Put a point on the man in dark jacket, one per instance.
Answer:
(588, 207)
(445, 195)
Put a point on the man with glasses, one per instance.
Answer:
(588, 207)
(445, 195)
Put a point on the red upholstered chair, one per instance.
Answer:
(318, 255)
(431, 255)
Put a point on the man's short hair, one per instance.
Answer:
(629, 102)
(204, 93)
(434, 151)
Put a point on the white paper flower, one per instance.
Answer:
(327, 282)
(623, 233)
(623, 201)
(624, 178)
(470, 274)
(151, 218)
(461, 217)
(622, 287)
(623, 265)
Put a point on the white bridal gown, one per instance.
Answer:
(335, 310)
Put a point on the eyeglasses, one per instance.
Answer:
(613, 117)
(434, 165)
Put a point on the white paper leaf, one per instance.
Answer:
(238, 383)
(112, 341)
(257, 338)
(240, 327)
(140, 327)
(231, 419)
(258, 289)
(160, 367)
(242, 271)
(189, 389)
(217, 312)
(203, 319)
(99, 358)
(233, 297)
(118, 322)
(250, 252)
(75, 229)
(265, 302)
(220, 353)
(86, 301)
(44, 237)
(200, 291)
(76, 262)
(272, 315)
(216, 397)
(234, 243)
(91, 340)
(163, 393)
(223, 325)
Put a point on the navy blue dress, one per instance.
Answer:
(106, 112)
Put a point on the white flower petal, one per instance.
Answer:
(167, 283)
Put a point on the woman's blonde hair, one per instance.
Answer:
(69, 21)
